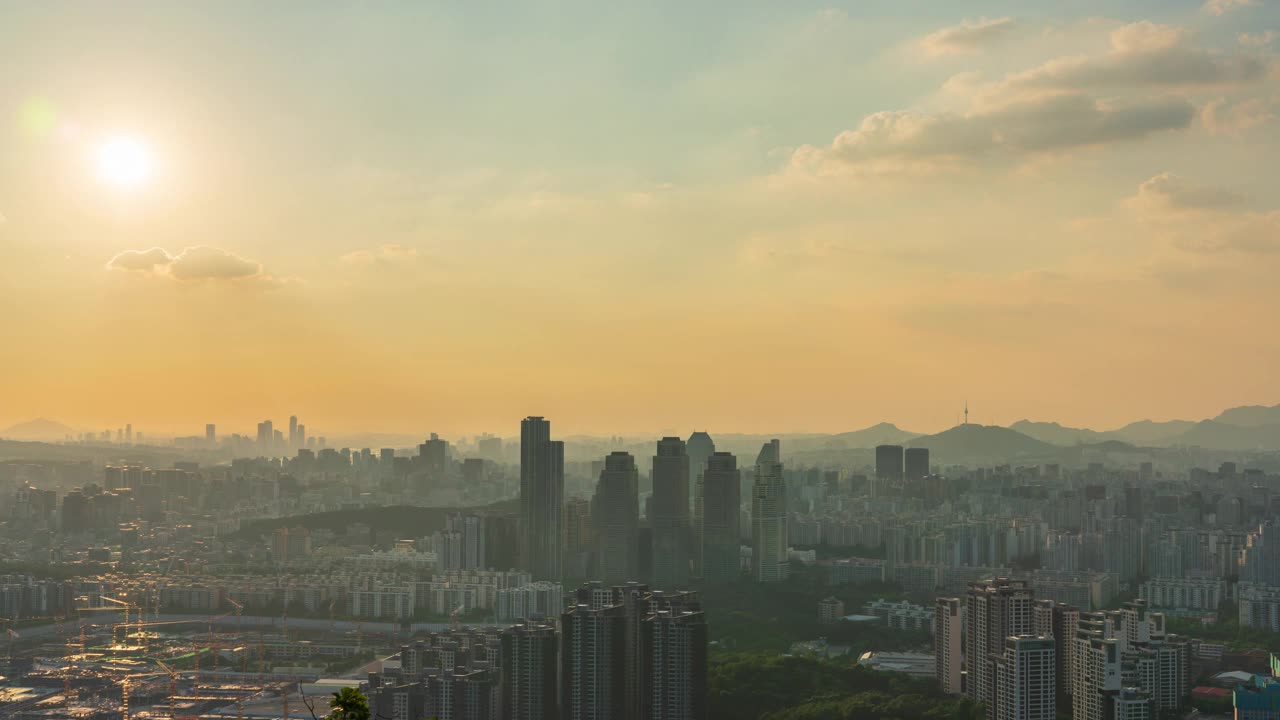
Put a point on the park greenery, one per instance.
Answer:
(742, 686)
(753, 617)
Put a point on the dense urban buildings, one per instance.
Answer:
(1046, 588)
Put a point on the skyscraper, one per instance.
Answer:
(769, 517)
(673, 670)
(530, 654)
(541, 498)
(917, 463)
(593, 669)
(265, 436)
(1025, 680)
(700, 447)
(433, 455)
(293, 431)
(948, 654)
(670, 513)
(719, 518)
(994, 610)
(889, 463)
(631, 653)
(211, 435)
(616, 508)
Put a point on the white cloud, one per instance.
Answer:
(196, 263)
(910, 140)
(1222, 7)
(967, 37)
(209, 263)
(152, 260)
(1143, 55)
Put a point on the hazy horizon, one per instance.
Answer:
(566, 428)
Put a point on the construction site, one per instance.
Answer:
(120, 658)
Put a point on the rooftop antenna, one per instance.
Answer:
(966, 412)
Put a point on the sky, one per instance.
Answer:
(749, 216)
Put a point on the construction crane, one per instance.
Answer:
(333, 626)
(125, 684)
(173, 688)
(453, 617)
(126, 607)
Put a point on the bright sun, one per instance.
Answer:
(124, 162)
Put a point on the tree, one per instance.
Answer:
(349, 704)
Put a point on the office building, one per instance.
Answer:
(616, 511)
(541, 499)
(700, 448)
(917, 463)
(433, 457)
(889, 462)
(720, 519)
(769, 562)
(669, 515)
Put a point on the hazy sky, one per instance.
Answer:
(744, 216)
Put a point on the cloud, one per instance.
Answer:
(967, 37)
(1222, 7)
(1225, 117)
(1169, 192)
(1033, 126)
(209, 263)
(153, 260)
(193, 264)
(1142, 55)
(1258, 39)
(383, 253)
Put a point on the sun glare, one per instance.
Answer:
(124, 162)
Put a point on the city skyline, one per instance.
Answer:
(923, 204)
(43, 428)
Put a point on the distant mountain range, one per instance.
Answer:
(968, 442)
(38, 429)
(1252, 427)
